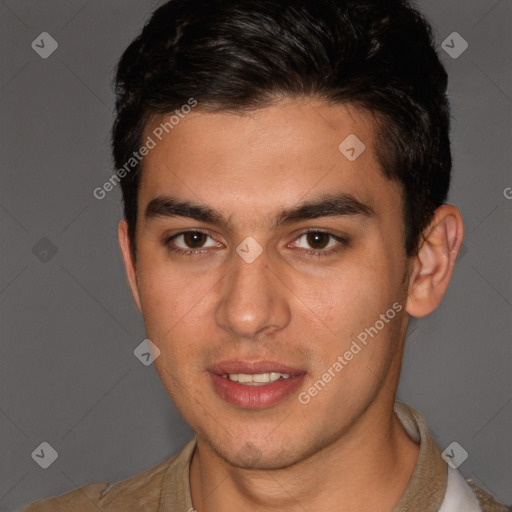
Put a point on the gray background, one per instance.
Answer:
(68, 326)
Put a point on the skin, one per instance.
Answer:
(338, 451)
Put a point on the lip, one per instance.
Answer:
(252, 367)
(254, 397)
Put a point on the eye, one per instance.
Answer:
(194, 242)
(189, 243)
(322, 243)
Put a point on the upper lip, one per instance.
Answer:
(252, 367)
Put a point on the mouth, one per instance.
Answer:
(256, 379)
(254, 384)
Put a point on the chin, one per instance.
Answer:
(265, 457)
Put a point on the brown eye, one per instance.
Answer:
(190, 243)
(317, 239)
(194, 239)
(320, 243)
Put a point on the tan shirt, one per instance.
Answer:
(166, 487)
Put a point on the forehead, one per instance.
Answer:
(246, 164)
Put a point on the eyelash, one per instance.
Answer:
(318, 252)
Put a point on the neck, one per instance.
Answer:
(351, 473)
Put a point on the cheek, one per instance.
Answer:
(350, 303)
(168, 294)
(350, 296)
(176, 309)
(164, 303)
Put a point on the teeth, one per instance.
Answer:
(256, 379)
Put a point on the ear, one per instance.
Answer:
(129, 265)
(433, 265)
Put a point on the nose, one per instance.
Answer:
(253, 300)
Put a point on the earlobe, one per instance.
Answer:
(124, 245)
(433, 265)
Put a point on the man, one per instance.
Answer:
(284, 168)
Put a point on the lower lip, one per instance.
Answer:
(255, 397)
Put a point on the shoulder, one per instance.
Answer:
(486, 501)
(465, 495)
(142, 490)
(85, 499)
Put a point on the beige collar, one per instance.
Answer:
(427, 486)
(425, 490)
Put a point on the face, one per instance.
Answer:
(264, 249)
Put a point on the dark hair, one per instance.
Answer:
(239, 55)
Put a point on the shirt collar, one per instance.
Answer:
(427, 485)
(425, 490)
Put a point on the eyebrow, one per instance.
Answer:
(338, 205)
